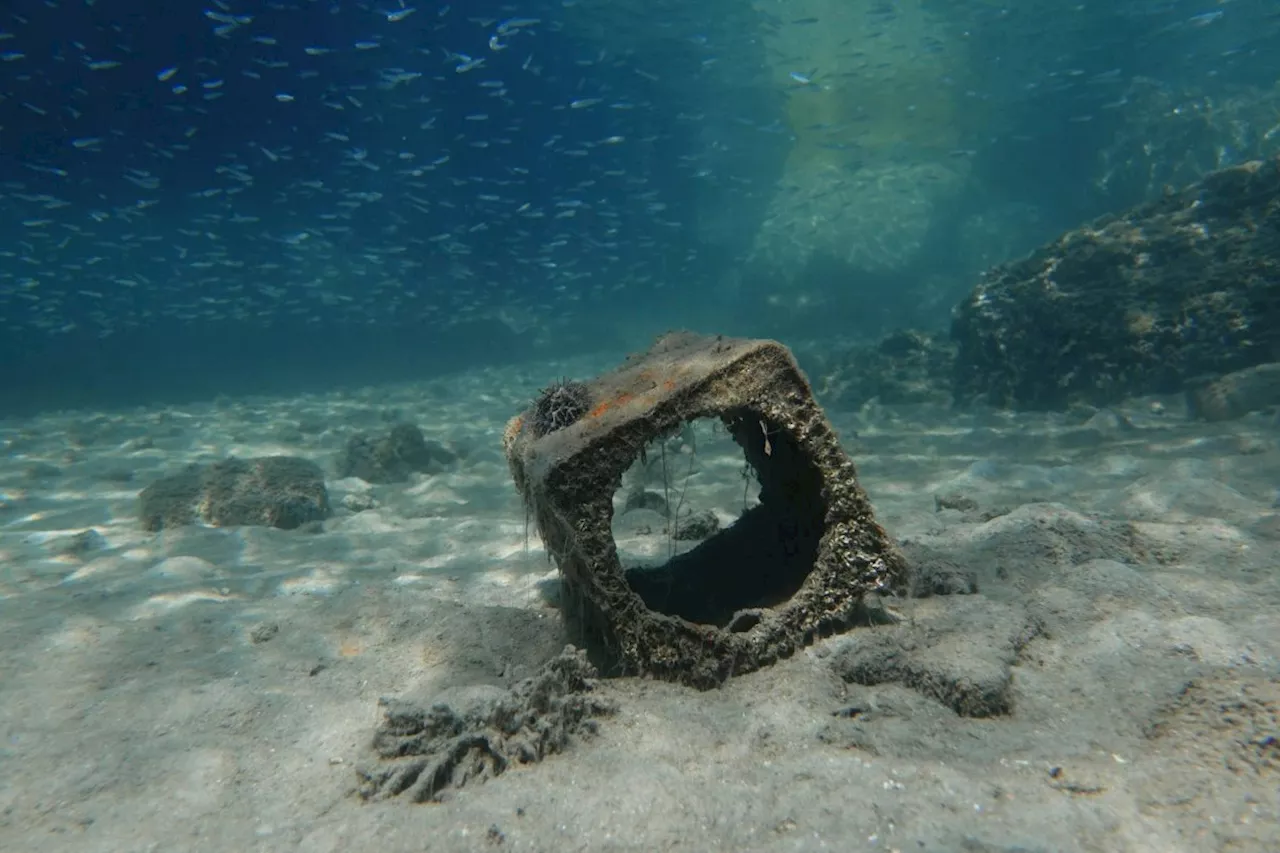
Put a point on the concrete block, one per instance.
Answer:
(792, 568)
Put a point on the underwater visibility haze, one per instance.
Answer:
(637, 425)
(228, 191)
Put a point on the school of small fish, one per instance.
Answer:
(382, 161)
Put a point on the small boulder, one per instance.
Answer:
(1234, 395)
(700, 525)
(392, 458)
(78, 545)
(272, 491)
(359, 502)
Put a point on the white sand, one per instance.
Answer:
(137, 712)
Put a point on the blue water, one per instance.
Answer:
(214, 197)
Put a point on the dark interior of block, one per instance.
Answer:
(760, 560)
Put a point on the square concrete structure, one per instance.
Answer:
(792, 568)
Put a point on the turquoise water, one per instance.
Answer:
(206, 199)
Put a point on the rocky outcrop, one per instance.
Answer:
(1137, 303)
(393, 457)
(271, 491)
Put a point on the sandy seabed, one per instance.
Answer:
(214, 689)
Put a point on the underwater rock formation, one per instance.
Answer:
(271, 491)
(392, 458)
(1134, 303)
(825, 223)
(859, 87)
(1235, 394)
(873, 135)
(965, 658)
(792, 568)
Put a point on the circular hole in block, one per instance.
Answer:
(722, 516)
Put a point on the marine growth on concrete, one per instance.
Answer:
(794, 567)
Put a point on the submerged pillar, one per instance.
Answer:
(794, 567)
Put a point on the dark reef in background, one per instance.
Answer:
(1131, 304)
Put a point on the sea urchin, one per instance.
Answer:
(559, 405)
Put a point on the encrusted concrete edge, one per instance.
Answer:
(568, 480)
